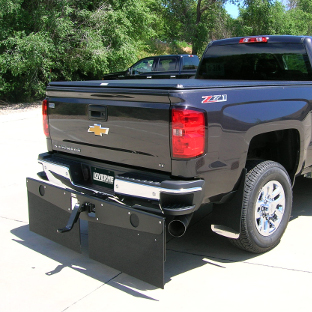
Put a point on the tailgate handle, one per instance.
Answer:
(97, 112)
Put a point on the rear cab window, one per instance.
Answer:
(167, 64)
(259, 61)
(190, 62)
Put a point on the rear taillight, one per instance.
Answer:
(45, 118)
(188, 128)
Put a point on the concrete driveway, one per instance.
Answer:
(203, 271)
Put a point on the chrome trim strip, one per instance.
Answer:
(123, 187)
(148, 191)
(135, 189)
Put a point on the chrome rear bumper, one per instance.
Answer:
(59, 173)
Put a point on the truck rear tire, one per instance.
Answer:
(267, 205)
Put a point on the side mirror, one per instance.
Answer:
(129, 71)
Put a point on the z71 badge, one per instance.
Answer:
(214, 98)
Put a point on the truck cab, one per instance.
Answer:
(160, 67)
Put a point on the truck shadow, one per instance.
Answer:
(302, 198)
(199, 241)
(76, 261)
(197, 248)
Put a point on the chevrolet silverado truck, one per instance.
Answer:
(137, 158)
(160, 67)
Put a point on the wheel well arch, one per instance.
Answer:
(282, 146)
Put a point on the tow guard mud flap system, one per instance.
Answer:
(126, 239)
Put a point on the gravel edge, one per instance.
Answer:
(16, 108)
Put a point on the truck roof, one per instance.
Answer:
(271, 39)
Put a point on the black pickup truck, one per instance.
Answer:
(160, 67)
(136, 158)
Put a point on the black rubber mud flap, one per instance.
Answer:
(227, 216)
(49, 209)
(129, 240)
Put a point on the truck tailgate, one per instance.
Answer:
(111, 124)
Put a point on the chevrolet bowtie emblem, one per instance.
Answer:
(98, 130)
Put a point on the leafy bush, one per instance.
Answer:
(42, 40)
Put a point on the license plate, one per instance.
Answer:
(103, 177)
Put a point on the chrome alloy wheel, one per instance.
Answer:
(270, 208)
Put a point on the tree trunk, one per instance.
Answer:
(198, 18)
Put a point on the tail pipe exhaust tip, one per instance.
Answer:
(177, 227)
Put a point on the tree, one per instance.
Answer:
(260, 17)
(68, 40)
(191, 20)
(204, 10)
(300, 15)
